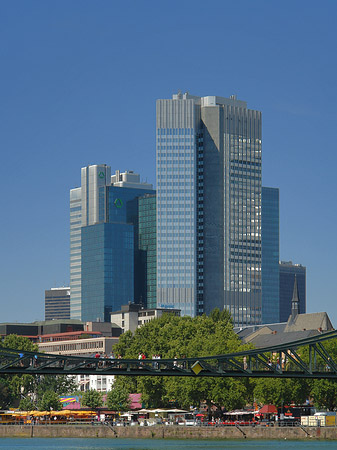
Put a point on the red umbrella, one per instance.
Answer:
(268, 409)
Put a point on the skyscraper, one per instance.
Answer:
(270, 255)
(288, 270)
(209, 206)
(75, 252)
(147, 250)
(104, 230)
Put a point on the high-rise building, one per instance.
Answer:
(288, 270)
(75, 252)
(209, 206)
(270, 255)
(57, 303)
(104, 256)
(147, 244)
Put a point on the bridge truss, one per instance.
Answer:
(305, 358)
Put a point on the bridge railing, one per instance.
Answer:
(302, 358)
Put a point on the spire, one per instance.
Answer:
(295, 302)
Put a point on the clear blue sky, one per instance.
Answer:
(79, 80)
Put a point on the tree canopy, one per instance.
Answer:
(17, 388)
(50, 401)
(177, 337)
(322, 393)
(118, 398)
(92, 399)
(19, 343)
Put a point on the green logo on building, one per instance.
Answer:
(118, 203)
(101, 174)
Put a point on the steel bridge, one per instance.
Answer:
(305, 358)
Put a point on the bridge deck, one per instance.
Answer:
(306, 358)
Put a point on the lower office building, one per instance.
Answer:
(36, 329)
(85, 343)
(133, 316)
(57, 303)
(288, 271)
(80, 347)
(100, 383)
(84, 347)
(54, 331)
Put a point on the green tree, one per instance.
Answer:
(324, 394)
(50, 401)
(6, 395)
(171, 336)
(92, 399)
(26, 404)
(14, 386)
(278, 392)
(60, 384)
(154, 391)
(129, 383)
(19, 343)
(118, 399)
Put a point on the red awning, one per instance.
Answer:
(268, 409)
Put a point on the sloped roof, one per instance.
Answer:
(314, 321)
(250, 329)
(300, 326)
(268, 340)
(263, 330)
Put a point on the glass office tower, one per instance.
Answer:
(147, 234)
(107, 269)
(270, 255)
(288, 270)
(209, 206)
(75, 253)
(104, 238)
(87, 207)
(178, 123)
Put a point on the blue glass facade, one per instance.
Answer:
(176, 211)
(107, 269)
(270, 255)
(123, 207)
(242, 214)
(147, 247)
(288, 270)
(122, 204)
(105, 262)
(209, 152)
(178, 122)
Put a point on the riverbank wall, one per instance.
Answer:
(172, 432)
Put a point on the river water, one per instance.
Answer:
(152, 444)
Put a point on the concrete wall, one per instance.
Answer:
(170, 432)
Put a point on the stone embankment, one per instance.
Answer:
(171, 432)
